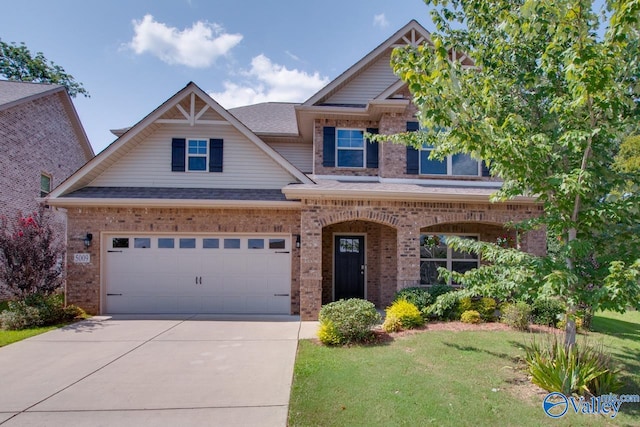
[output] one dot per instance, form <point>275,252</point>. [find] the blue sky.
<point>133,55</point>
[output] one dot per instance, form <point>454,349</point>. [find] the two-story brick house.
<point>275,207</point>
<point>42,142</point>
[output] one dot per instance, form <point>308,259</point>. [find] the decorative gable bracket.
<point>192,117</point>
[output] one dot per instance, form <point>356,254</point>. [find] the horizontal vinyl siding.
<point>298,154</point>
<point>149,163</point>
<point>366,86</point>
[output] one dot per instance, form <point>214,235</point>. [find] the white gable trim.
<point>91,170</point>
<point>419,33</point>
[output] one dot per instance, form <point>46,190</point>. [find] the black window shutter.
<point>486,170</point>
<point>372,150</point>
<point>413,155</point>
<point>178,154</point>
<point>215,155</point>
<point>329,146</point>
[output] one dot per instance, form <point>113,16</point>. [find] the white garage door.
<point>198,274</point>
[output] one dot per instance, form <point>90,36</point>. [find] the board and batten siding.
<point>148,164</point>
<point>367,85</point>
<point>298,154</point>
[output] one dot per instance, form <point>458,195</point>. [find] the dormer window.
<point>197,155</point>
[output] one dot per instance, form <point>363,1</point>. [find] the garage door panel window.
<point>210,243</point>
<point>256,243</point>
<point>187,243</point>
<point>142,242</point>
<point>166,243</point>
<point>232,243</point>
<point>277,244</point>
<point>120,242</point>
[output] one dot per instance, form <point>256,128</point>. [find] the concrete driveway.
<point>189,371</point>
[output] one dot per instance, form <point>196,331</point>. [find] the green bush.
<point>484,305</point>
<point>517,315</point>
<point>437,290</point>
<point>38,310</point>
<point>546,311</point>
<point>19,315</point>
<point>407,314</point>
<point>351,318</point>
<point>418,296</point>
<point>391,323</point>
<point>444,307</point>
<point>562,323</point>
<point>581,369</point>
<point>470,316</point>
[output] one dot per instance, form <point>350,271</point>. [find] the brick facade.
<point>389,227</point>
<point>84,280</point>
<point>36,137</point>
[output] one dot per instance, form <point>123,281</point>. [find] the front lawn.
<point>445,378</point>
<point>8,337</point>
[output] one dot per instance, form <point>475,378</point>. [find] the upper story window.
<point>45,185</point>
<point>350,148</point>
<point>456,164</point>
<point>197,154</point>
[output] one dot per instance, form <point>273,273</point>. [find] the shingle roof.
<point>11,91</point>
<point>177,193</point>
<point>268,117</point>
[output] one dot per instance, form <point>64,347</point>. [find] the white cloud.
<point>380,20</point>
<point>197,47</point>
<point>267,81</point>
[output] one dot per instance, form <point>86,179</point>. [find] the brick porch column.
<point>408,256</point>
<point>310,266</point>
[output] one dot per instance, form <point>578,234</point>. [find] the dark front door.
<point>349,267</point>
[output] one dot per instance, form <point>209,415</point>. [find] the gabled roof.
<point>412,33</point>
<point>14,93</point>
<point>129,139</point>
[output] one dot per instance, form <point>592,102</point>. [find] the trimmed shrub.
<point>352,319</point>
<point>581,369</point>
<point>407,314</point>
<point>444,307</point>
<point>328,334</point>
<point>418,296</point>
<point>562,323</point>
<point>485,306</point>
<point>517,315</point>
<point>470,316</point>
<point>547,312</point>
<point>391,323</point>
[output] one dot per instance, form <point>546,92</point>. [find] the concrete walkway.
<point>135,371</point>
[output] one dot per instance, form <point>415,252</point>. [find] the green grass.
<point>445,378</point>
<point>9,337</point>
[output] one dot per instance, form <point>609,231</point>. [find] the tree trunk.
<point>570,327</point>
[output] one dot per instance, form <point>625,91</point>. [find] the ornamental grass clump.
<point>580,369</point>
<point>347,321</point>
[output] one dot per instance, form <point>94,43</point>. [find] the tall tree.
<point>554,90</point>
<point>17,63</point>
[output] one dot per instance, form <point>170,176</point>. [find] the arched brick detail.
<point>379,217</point>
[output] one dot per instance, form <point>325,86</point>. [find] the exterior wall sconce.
<point>87,240</point>
<point>297,241</point>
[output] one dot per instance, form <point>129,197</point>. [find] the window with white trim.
<point>45,184</point>
<point>435,253</point>
<point>197,154</point>
<point>350,148</point>
<point>454,165</point>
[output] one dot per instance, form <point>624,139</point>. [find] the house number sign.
<point>81,258</point>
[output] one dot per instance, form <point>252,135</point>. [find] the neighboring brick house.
<point>275,207</point>
<point>42,142</point>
